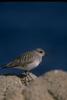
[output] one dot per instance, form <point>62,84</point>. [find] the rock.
<point>57,84</point>
<point>37,90</point>
<point>27,80</point>
<point>50,86</point>
<point>11,88</point>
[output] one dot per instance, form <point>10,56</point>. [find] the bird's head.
<point>41,52</point>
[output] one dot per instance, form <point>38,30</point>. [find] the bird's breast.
<point>32,65</point>
<point>36,62</point>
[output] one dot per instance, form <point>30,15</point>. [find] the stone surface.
<point>50,86</point>
<point>10,88</point>
<point>57,84</point>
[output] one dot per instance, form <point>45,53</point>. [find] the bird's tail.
<point>3,66</point>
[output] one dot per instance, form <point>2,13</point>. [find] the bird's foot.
<point>28,78</point>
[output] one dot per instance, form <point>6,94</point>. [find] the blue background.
<point>27,26</point>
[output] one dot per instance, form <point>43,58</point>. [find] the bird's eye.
<point>40,51</point>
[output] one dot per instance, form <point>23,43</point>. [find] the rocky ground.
<point>50,86</point>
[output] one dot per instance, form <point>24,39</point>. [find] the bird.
<point>28,60</point>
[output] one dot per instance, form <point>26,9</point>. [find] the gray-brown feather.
<point>22,60</point>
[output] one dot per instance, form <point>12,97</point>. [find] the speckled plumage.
<point>28,60</point>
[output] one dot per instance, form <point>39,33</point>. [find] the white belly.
<point>32,65</point>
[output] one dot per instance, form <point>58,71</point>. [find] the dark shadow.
<point>12,72</point>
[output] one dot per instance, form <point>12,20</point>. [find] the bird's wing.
<point>22,60</point>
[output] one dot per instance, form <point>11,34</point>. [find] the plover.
<point>28,60</point>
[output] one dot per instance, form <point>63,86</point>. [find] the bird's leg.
<point>28,76</point>
<point>25,72</point>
